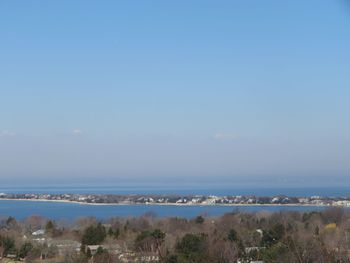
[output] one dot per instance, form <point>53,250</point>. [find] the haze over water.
<point>219,189</point>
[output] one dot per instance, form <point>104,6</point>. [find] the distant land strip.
<point>238,200</point>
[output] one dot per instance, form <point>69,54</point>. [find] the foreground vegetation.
<point>234,237</point>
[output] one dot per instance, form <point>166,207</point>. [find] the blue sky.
<point>175,88</point>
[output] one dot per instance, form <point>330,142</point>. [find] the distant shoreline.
<point>181,200</point>
<point>167,204</point>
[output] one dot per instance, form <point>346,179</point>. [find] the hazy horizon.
<point>232,91</point>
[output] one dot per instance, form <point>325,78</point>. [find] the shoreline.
<point>168,204</point>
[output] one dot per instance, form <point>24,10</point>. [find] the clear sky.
<point>175,88</point>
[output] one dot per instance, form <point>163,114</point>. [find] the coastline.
<point>170,204</point>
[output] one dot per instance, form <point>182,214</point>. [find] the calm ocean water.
<point>205,189</point>
<point>58,211</point>
<point>23,209</point>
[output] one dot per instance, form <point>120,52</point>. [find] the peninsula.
<point>150,199</point>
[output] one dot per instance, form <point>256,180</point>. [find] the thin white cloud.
<point>77,132</point>
<point>6,133</point>
<point>225,136</point>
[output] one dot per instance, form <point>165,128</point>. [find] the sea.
<point>72,211</point>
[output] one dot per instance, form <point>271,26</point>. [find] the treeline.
<point>286,237</point>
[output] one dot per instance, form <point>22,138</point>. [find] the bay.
<point>72,211</point>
